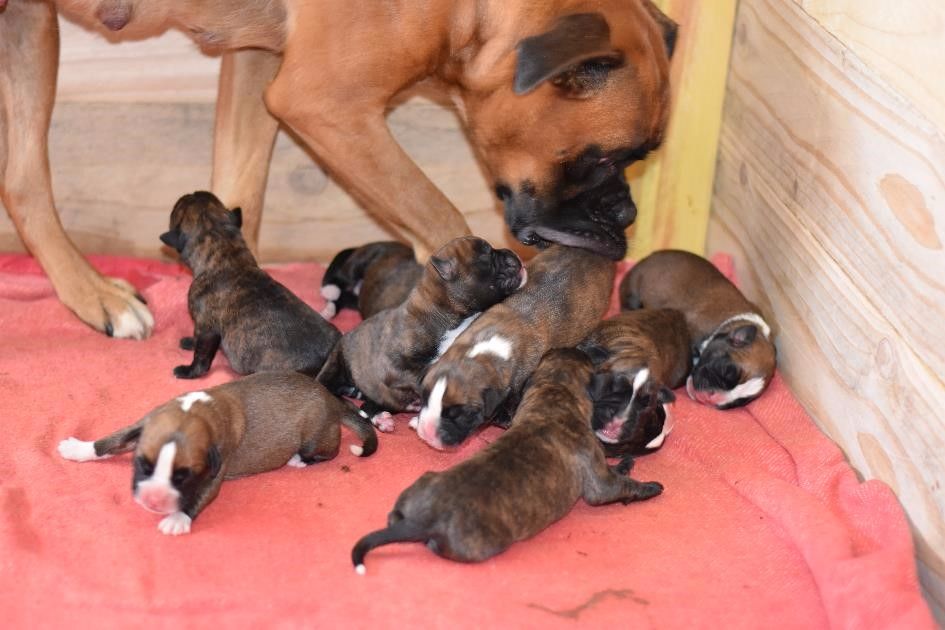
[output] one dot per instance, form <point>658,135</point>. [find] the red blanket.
<point>762,524</point>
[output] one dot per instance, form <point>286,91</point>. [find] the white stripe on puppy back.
<point>748,389</point>
<point>187,400</point>
<point>496,344</point>
<point>751,318</point>
<point>450,335</point>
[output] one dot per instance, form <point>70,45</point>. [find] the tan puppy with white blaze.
<point>187,447</point>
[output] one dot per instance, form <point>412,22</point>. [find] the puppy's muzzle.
<point>510,271</point>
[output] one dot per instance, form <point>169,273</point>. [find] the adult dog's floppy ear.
<point>174,238</point>
<point>574,39</point>
<point>669,27</point>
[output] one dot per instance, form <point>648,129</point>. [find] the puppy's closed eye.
<point>143,466</point>
<point>181,475</point>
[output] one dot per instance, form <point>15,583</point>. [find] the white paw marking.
<point>357,288</point>
<point>331,292</point>
<point>497,345</point>
<point>357,450</point>
<point>414,422</point>
<point>187,400</point>
<point>384,422</point>
<point>130,324</point>
<point>329,311</point>
<point>360,570</point>
<point>79,450</point>
<point>450,335</point>
<point>296,462</point>
<point>175,524</point>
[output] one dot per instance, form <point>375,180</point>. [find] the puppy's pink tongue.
<point>611,431</point>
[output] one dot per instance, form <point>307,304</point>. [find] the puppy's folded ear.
<point>236,217</point>
<point>562,52</point>
<point>597,353</point>
<point>214,460</point>
<point>742,336</point>
<point>491,399</point>
<point>666,395</point>
<point>175,239</point>
<point>445,267</point>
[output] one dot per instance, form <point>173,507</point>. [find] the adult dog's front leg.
<point>353,141</point>
<point>29,55</point>
<point>244,135</point>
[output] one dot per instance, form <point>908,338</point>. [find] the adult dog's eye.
<point>180,476</point>
<point>143,466</point>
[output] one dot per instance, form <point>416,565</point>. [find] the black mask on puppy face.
<point>629,415</point>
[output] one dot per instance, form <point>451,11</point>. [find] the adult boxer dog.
<point>558,98</point>
<point>384,358</point>
<point>639,357</point>
<point>370,278</point>
<point>481,376</point>
<point>734,356</point>
<point>186,448</point>
<point>520,484</point>
<point>259,323</point>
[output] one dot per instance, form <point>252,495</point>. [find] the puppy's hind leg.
<point>29,57</point>
<point>205,348</point>
<point>320,443</point>
<point>120,441</point>
<point>603,484</point>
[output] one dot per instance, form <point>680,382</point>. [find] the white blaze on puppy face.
<point>156,492</point>
<point>79,451</point>
<point>187,400</point>
<point>748,389</point>
<point>429,418</point>
<point>667,429</point>
<point>497,345</point>
<point>451,335</point>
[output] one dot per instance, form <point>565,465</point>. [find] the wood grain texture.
<point>674,187</point>
<point>830,190</point>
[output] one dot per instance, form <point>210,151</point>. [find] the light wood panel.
<point>829,190</point>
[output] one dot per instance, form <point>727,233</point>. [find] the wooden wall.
<point>831,190</point>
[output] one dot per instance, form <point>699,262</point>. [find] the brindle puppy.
<point>384,358</point>
<point>638,356</point>
<point>734,357</point>
<point>520,484</point>
<point>370,278</point>
<point>480,377</point>
<point>260,324</point>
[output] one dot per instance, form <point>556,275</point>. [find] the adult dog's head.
<point>557,120</point>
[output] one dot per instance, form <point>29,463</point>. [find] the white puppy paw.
<point>384,422</point>
<point>414,422</point>
<point>79,450</point>
<point>175,524</point>
<point>296,462</point>
<point>331,292</point>
<point>329,311</point>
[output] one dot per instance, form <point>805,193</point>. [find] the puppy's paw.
<point>414,422</point>
<point>625,465</point>
<point>187,343</point>
<point>296,462</point>
<point>329,310</point>
<point>188,371</point>
<point>175,524</point>
<point>384,422</point>
<point>647,490</point>
<point>78,450</point>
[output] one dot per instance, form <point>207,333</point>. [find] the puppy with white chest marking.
<point>186,448</point>
<point>734,356</point>
<point>520,484</point>
<point>480,377</point>
<point>370,278</point>
<point>639,357</point>
<point>259,323</point>
<point>384,358</point>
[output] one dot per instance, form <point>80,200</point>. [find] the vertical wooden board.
<point>673,189</point>
<point>829,189</point>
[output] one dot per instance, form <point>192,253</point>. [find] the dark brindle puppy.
<point>385,357</point>
<point>185,448</point>
<point>479,378</point>
<point>734,357</point>
<point>520,484</point>
<point>260,324</point>
<point>639,357</point>
<point>370,278</point>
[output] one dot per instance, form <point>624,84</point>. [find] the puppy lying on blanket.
<point>520,484</point>
<point>185,448</point>
<point>260,324</point>
<point>384,358</point>
<point>370,278</point>
<point>479,378</point>
<point>638,357</point>
<point>734,357</point>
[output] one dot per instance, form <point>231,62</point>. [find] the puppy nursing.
<point>185,448</point>
<point>482,373</point>
<point>520,484</point>
<point>259,323</point>
<point>734,355</point>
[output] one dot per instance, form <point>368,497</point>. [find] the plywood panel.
<point>830,188</point>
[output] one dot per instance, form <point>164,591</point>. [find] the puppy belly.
<point>249,460</point>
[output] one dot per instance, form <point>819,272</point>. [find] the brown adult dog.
<point>520,484</point>
<point>734,356</point>
<point>185,448</point>
<point>559,97</point>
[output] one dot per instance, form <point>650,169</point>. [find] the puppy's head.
<point>174,457</point>
<point>198,216</point>
<point>470,275</point>
<point>631,412</point>
<point>559,118</point>
<point>733,366</point>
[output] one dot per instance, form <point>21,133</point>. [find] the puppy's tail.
<point>401,531</point>
<point>338,285</point>
<point>363,428</point>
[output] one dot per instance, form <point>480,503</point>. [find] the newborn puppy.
<point>520,484</point>
<point>370,278</point>
<point>638,356</point>
<point>384,358</point>
<point>479,378</point>
<point>185,448</point>
<point>260,324</point>
<point>733,355</point>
